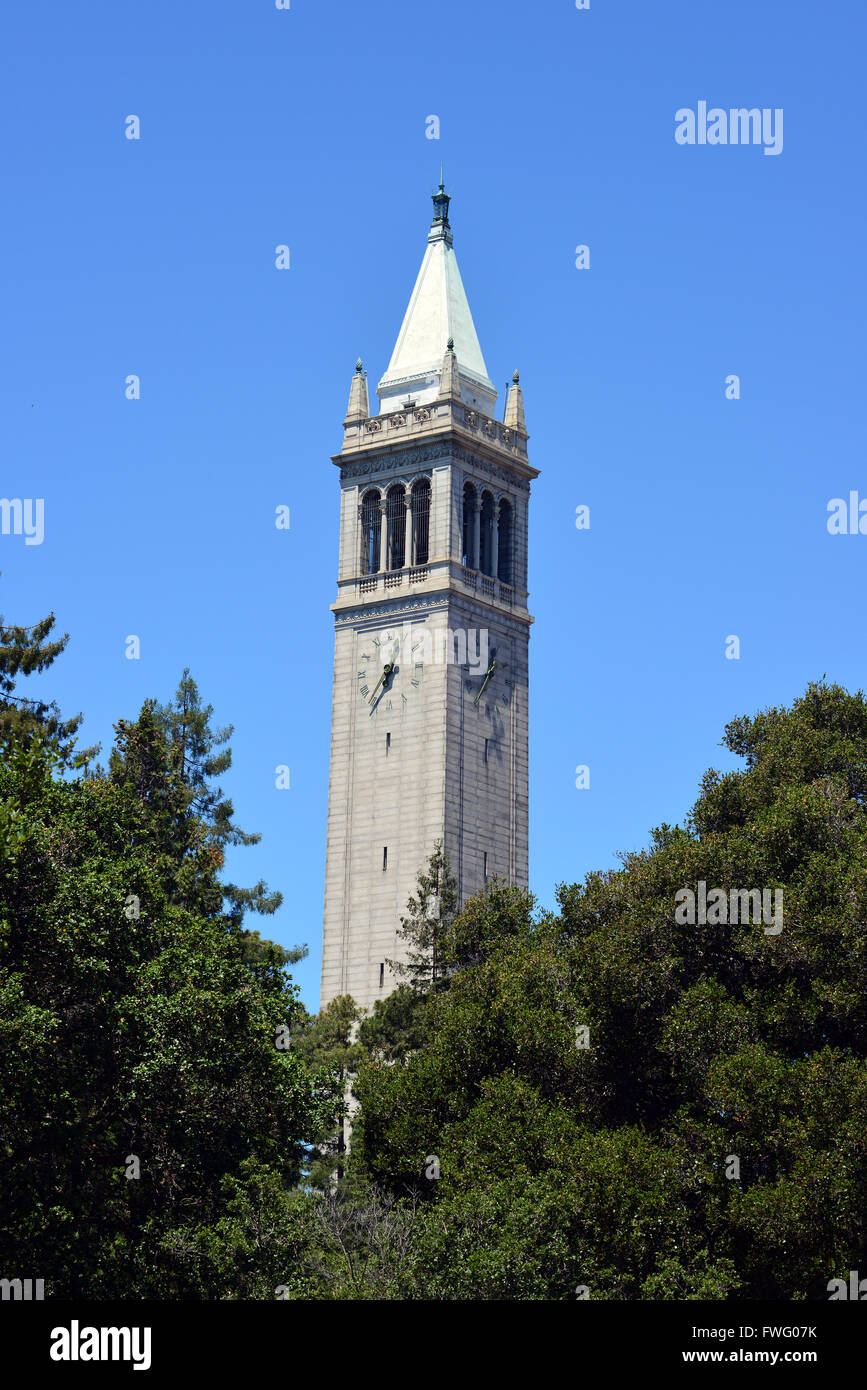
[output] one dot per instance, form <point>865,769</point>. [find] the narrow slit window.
<point>485,867</point>
<point>381,973</point>
<point>384,858</point>
<point>486,750</point>
<point>387,743</point>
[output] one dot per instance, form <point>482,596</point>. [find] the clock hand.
<point>486,682</point>
<point>387,670</point>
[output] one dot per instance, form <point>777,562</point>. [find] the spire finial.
<point>514,413</point>
<point>440,225</point>
<point>450,387</point>
<point>359,407</point>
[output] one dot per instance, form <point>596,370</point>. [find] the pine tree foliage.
<point>25,651</point>
<point>431,911</point>
<point>172,757</point>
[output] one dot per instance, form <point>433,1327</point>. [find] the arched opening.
<point>504,538</point>
<point>468,527</point>
<point>421,521</point>
<point>395,513</point>
<point>370,526</point>
<point>486,535</point>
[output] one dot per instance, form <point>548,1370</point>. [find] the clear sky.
<point>307,127</point>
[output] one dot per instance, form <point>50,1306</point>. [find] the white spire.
<point>438,311</point>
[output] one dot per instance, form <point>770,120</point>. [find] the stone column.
<point>495,542</point>
<point>407,543</point>
<point>477,518</point>
<point>383,536</point>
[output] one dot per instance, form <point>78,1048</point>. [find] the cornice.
<point>447,452</point>
<point>388,606</point>
<point>377,612</point>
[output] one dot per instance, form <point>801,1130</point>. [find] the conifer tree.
<point>25,650</point>
<point>202,754</point>
<point>171,756</point>
<point>431,913</point>
<point>326,1042</point>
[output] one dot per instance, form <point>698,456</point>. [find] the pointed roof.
<point>438,311</point>
<point>450,386</point>
<point>358,408</point>
<point>514,415</point>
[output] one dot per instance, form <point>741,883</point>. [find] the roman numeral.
<point>364,690</point>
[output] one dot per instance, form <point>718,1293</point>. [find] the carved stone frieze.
<point>367,610</point>
<point>444,454</point>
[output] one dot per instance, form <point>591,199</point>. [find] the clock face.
<point>390,671</point>
<point>490,690</point>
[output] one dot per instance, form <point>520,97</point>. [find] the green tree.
<point>430,914</point>
<point>327,1042</point>
<point>171,757</point>
<point>396,1025</point>
<point>24,651</point>
<point>146,1098</point>
<point>259,951</point>
<point>202,754</point>
<point>624,1101</point>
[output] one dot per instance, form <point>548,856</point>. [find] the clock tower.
<point>429,718</point>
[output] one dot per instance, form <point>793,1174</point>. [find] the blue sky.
<point>307,127</point>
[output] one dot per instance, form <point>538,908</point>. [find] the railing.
<point>490,588</point>
<point>391,579</point>
<point>493,429</point>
